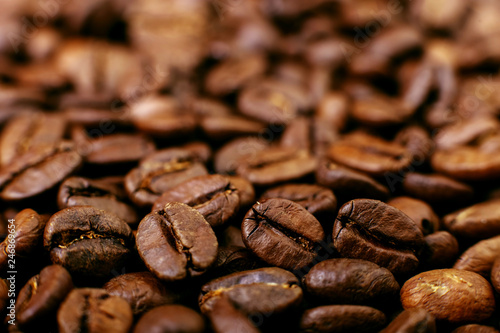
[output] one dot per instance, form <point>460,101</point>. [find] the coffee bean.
<point>374,231</point>
<point>282,233</point>
<point>176,242</point>
<point>4,294</point>
<point>79,191</point>
<point>231,236</point>
<point>72,233</point>
<point>435,188</point>
<point>245,190</point>
<point>94,310</point>
<point>224,127</point>
<point>480,257</point>
<point>159,172</point>
<point>495,275</point>
<point>348,183</point>
<point>224,317</point>
<point>475,328</point>
<point>453,295</point>
<point>297,134</point>
<point>419,211</point>
<point>212,195</point>
<point>232,259</point>
<point>412,320</point>
<point>440,251</point>
<point>228,157</point>
<point>171,318</point>
<point>463,133</point>
<point>37,171</point>
<point>276,165</point>
<point>264,291</point>
<point>351,281</point>
<point>342,318</point>
<point>479,221</point>
<point>39,299</point>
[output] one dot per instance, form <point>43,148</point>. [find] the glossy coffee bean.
<point>282,233</point>
<point>374,231</point>
<point>266,291</point>
<point>118,148</point>
<point>479,221</point>
<point>419,211</point>
<point>453,295</point>
<point>440,250</point>
<point>94,310</point>
<point>79,191</point>
<point>230,126</point>
<point>176,242</point>
<point>411,321</point>
<point>40,298</point>
<point>351,281</point>
<point>142,290</point>
<point>212,195</point>
<point>342,318</point>
<point>72,233</point>
<point>170,318</point>
<point>315,199</point>
<point>480,257</point>
<point>227,158</point>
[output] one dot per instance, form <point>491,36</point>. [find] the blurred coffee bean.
<point>495,275</point>
<point>479,221</point>
<point>475,328</point>
<point>412,320</point>
<point>224,317</point>
<point>419,211</point>
<point>440,251</point>
<point>480,257</point>
<point>171,318</point>
<point>228,157</point>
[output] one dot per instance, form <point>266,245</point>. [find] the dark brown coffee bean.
<point>227,159</point>
<point>37,171</point>
<point>232,259</point>
<point>463,133</point>
<point>334,108</point>
<point>27,130</point>
<point>118,148</point>
<point>348,183</point>
<point>265,291</point>
<point>418,143</point>
<point>282,233</point>
<point>199,149</point>
<point>245,190</point>
<point>224,127</point>
<point>316,199</point>
<point>434,188</point>
<point>297,134</point>
<point>79,191</point>
<point>72,233</point>
<point>374,231</point>
<point>276,165</point>
<point>40,298</point>
<point>475,328</point>
<point>142,290</point>
<point>212,195</point>
<point>342,318</point>
<point>93,117</point>
<point>4,294</point>
<point>495,275</point>
<point>24,240</point>
<point>411,321</point>
<point>420,212</point>
<point>441,250</point>
<point>162,116</point>
<point>378,110</point>
<point>94,310</point>
<point>224,317</point>
<point>351,281</point>
<point>176,242</point>
<point>479,221</point>
<point>172,319</point>
<point>231,236</point>
<point>369,154</point>
<point>450,294</point>
<point>159,172</point>
<point>480,257</point>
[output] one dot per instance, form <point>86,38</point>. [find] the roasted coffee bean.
<point>227,159</point>
<point>463,133</point>
<point>374,231</point>
<point>475,328</point>
<point>142,290</point>
<point>176,242</point>
<point>4,294</point>
<point>94,310</point>
<point>24,240</point>
<point>37,171</point>
<point>480,257</point>
<point>245,190</point>
<point>265,291</point>
<point>479,221</point>
<point>231,236</point>
<point>317,200</point>
<point>351,281</point>
<point>453,295</point>
<point>39,299</point>
<point>419,211</point>
<point>411,321</point>
<point>435,188</point>
<point>342,318</point>
<point>159,172</point>
<point>101,194</point>
<point>232,259</point>
<point>212,195</point>
<point>282,233</point>
<point>224,317</point>
<point>170,318</point>
<point>348,183</point>
<point>370,154</point>
<point>440,250</point>
<point>72,233</point>
<point>276,165</point>
<point>495,275</point>
<point>224,127</point>
<point>437,15</point>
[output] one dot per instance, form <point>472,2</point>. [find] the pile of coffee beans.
<point>244,166</point>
